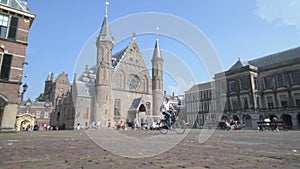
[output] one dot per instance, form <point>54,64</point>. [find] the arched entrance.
<point>138,111</point>
<point>287,119</point>
<point>24,121</point>
<point>25,125</point>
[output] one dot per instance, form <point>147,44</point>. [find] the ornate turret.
<point>103,90</point>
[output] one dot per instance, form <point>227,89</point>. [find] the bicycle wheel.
<point>179,126</point>
<point>163,128</point>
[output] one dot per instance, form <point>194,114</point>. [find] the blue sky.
<point>236,29</point>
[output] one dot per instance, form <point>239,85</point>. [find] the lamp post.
<point>25,87</point>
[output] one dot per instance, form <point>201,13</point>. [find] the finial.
<point>134,35</point>
<point>157,29</point>
<point>106,8</point>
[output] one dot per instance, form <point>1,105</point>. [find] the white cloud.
<point>282,12</point>
<point>181,87</point>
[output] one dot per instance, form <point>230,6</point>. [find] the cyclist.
<point>167,110</point>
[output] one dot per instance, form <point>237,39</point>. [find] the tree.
<point>41,98</point>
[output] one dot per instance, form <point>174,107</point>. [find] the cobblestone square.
<point>224,149</point>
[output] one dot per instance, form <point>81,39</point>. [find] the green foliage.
<point>41,98</point>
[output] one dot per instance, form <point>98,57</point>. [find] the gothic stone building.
<point>251,91</point>
<point>15,22</point>
<point>119,86</point>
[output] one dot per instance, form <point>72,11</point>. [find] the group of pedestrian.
<point>230,124</point>
<point>272,123</point>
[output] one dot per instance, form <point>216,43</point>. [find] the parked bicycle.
<point>177,124</point>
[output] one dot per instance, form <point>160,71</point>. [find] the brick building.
<point>15,22</point>
<point>31,113</point>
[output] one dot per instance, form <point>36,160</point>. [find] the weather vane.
<point>106,7</point>
<point>157,29</point>
<point>134,34</point>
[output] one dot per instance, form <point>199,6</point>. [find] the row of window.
<point>269,82</point>
<point>283,100</point>
<point>280,80</point>
<point>207,94</point>
<point>38,115</point>
<point>234,105</point>
<point>201,119</point>
<point>201,106</point>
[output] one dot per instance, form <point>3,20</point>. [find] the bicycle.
<point>177,124</point>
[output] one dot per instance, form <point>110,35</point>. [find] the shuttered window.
<point>5,62</point>
<point>13,27</point>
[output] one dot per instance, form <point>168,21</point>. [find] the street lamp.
<point>25,87</point>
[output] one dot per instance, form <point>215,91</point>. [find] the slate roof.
<point>118,56</point>
<point>105,31</point>
<point>157,53</point>
<point>277,58</point>
<point>19,5</point>
<point>239,64</point>
<point>201,86</point>
<point>85,89</point>
<point>273,60</point>
<point>89,75</point>
<point>36,104</point>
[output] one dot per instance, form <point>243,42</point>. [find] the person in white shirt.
<point>167,109</point>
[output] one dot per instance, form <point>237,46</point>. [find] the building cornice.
<point>23,13</point>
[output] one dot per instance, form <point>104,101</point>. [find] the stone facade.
<point>251,91</point>
<point>106,92</point>
<point>16,21</point>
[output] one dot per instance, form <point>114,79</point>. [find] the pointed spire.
<point>157,52</point>
<point>105,30</point>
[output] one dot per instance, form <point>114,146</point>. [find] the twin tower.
<point>119,81</point>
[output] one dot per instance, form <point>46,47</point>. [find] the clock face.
<point>134,82</point>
